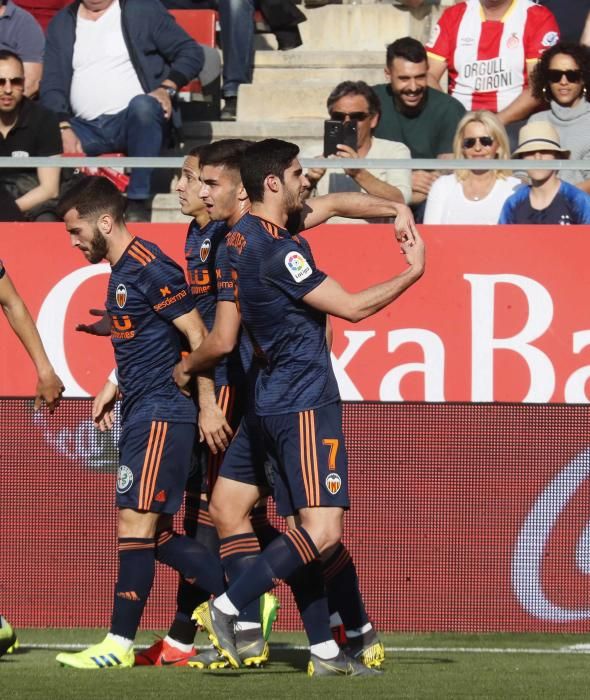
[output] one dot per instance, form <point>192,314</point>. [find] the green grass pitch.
<point>418,666</point>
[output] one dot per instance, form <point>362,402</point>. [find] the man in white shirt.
<point>357,101</point>
<point>112,71</point>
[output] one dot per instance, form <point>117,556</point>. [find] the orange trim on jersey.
<point>272,229</point>
<point>151,464</point>
<point>338,565</point>
<point>164,537</point>
<point>140,253</point>
<point>309,460</point>
<point>142,248</point>
<point>301,545</point>
<point>135,545</point>
<point>136,256</point>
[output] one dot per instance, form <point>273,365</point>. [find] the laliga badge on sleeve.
<point>297,265</point>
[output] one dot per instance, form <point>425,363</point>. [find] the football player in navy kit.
<point>232,500</point>
<point>151,308</point>
<point>283,300</point>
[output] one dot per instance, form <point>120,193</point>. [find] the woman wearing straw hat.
<point>547,200</point>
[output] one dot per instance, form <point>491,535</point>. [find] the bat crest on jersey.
<point>205,249</point>
<point>333,483</point>
<point>121,295</point>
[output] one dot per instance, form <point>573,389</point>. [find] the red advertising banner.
<point>501,313</point>
<point>464,517</point>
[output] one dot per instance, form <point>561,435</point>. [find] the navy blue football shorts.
<point>246,458</point>
<point>310,465</point>
<point>205,466</point>
<point>154,464</point>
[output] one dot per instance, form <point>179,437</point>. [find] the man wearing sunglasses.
<point>358,103</point>
<point>27,129</point>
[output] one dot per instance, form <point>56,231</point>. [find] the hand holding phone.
<point>336,132</point>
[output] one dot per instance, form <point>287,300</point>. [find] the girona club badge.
<point>121,295</point>
<point>333,483</point>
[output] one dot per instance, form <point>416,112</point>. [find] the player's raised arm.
<point>49,386</point>
<point>355,205</point>
<point>331,298</point>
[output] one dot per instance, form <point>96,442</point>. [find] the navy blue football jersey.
<point>273,271</point>
<point>201,251</point>
<point>147,290</point>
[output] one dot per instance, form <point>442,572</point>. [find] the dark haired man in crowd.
<point>112,72</point>
<point>422,118</point>
<point>27,129</point>
<point>357,101</point>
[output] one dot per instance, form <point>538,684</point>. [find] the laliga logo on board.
<point>121,295</point>
<point>533,539</point>
<point>205,249</point>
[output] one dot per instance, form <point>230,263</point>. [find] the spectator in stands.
<point>473,196</point>
<point>112,71</point>
<point>43,10</point>
<point>236,19</point>
<point>422,118</point>
<point>489,48</point>
<point>21,34</point>
<point>571,17</point>
<point>562,78</point>
<point>27,129</point>
<point>547,200</point>
<point>356,100</point>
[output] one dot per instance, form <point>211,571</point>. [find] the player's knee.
<point>226,518</point>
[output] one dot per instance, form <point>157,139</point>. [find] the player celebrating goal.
<point>284,299</point>
<point>150,307</point>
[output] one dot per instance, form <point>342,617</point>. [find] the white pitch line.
<point>574,649</point>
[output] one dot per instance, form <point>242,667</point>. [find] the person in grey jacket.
<point>562,78</point>
<point>112,71</point>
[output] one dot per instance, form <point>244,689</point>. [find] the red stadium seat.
<point>200,25</point>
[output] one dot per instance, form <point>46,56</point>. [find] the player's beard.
<point>97,250</point>
<point>293,201</point>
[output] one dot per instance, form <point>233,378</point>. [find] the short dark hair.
<point>355,87</point>
<point>227,152</point>
<point>540,76</point>
<point>196,151</point>
<point>6,55</point>
<point>268,157</point>
<point>92,196</point>
<point>407,48</point>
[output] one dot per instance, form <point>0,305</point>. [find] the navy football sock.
<point>238,553</point>
<point>343,589</point>
<point>307,585</point>
<point>137,565</point>
<point>265,532</point>
<point>189,596</point>
<point>278,561</point>
<point>192,560</point>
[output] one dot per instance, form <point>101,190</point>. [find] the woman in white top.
<point>473,196</point>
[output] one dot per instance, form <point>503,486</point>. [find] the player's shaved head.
<point>92,196</point>
<point>268,157</point>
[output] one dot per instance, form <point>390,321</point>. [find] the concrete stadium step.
<point>301,131</point>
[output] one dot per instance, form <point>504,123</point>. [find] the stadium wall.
<point>467,515</point>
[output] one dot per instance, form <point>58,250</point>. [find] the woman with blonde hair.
<point>473,196</point>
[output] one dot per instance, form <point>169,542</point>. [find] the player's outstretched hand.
<point>214,428</point>
<point>103,406</point>
<point>49,390</point>
<point>404,225</point>
<point>100,327</point>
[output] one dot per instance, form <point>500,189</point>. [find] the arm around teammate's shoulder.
<point>331,298</point>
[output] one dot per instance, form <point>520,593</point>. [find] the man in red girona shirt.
<point>489,48</point>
